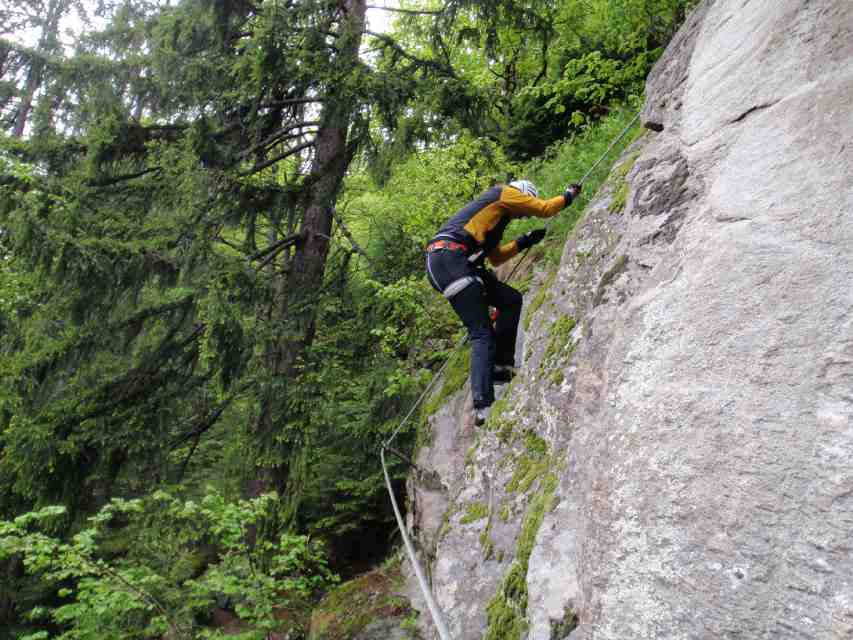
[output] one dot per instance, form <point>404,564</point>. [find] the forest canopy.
<point>212,300</point>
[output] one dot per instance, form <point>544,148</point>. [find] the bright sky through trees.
<point>74,24</point>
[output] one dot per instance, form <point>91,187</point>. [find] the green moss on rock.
<point>620,198</point>
<point>560,336</point>
<point>455,375</point>
<point>506,612</point>
<point>475,511</point>
<point>559,348</point>
<point>530,465</point>
<point>561,628</point>
<point>535,445</point>
<point>349,608</point>
<point>500,421</point>
<point>539,299</point>
<point>486,541</point>
<point>505,513</point>
<point>527,470</point>
<point>607,279</point>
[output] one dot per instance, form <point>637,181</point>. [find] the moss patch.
<point>560,336</point>
<point>486,540</point>
<point>506,612</point>
<point>505,513</point>
<point>539,299</point>
<point>607,279</point>
<point>523,286</point>
<point>535,445</point>
<point>451,511</point>
<point>530,465</point>
<point>349,608</point>
<point>500,421</point>
<point>475,511</point>
<point>455,376</point>
<point>620,198</point>
<point>561,628</point>
<point>624,169</point>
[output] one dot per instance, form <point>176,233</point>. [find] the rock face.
<point>674,459</point>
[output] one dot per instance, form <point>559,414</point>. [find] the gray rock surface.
<point>689,378</point>
<point>383,630</point>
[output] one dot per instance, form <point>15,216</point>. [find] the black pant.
<point>490,346</point>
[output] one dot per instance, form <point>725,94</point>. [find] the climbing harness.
<point>447,244</point>
<point>432,605</point>
<point>458,285</point>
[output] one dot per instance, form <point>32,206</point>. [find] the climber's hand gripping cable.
<point>572,192</point>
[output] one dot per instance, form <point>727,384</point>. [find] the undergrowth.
<point>567,162</point>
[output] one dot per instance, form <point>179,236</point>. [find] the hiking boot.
<point>503,373</point>
<point>481,415</point>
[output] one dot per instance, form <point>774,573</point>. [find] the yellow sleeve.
<point>521,205</point>
<point>501,254</point>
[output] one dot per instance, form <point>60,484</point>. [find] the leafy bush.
<point>160,565</point>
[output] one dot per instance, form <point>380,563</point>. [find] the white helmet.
<point>525,186</point>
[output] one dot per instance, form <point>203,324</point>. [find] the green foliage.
<point>536,72</point>
<point>410,317</point>
<point>569,160</point>
<point>424,189</point>
<point>176,560</point>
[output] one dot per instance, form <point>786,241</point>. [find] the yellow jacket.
<point>480,224</point>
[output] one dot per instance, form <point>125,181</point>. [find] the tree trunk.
<point>34,76</point>
<point>332,157</point>
<point>48,44</point>
<point>297,297</point>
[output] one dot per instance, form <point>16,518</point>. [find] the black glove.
<point>572,192</point>
<point>529,239</point>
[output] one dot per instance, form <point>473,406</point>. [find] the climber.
<point>455,268</point>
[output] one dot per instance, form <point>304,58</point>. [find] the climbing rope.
<point>432,605</point>
<point>582,180</point>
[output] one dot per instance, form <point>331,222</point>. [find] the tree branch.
<point>438,66</point>
<point>272,161</point>
<point>289,101</point>
<point>108,182</point>
<point>416,12</point>
<point>275,246</point>
<point>281,246</point>
<point>278,136</point>
<point>198,431</point>
<point>350,237</point>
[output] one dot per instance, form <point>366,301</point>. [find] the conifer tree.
<point>180,220</point>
